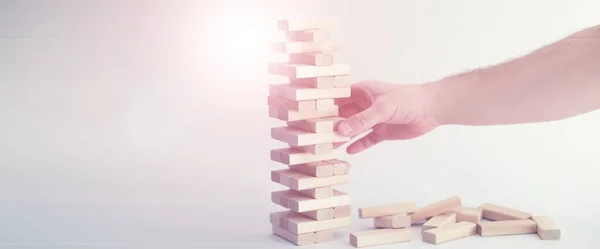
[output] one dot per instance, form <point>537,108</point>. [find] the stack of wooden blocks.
<point>306,101</point>
<point>447,220</point>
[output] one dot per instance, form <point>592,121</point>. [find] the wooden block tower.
<point>306,102</point>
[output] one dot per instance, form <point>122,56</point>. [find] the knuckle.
<point>361,120</point>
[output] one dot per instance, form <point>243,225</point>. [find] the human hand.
<point>393,112</point>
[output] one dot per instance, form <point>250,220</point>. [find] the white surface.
<point>123,125</point>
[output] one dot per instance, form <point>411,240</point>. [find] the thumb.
<point>362,121</point>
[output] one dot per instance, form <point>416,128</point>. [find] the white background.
<point>143,124</point>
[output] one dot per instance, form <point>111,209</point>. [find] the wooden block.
<point>439,221</point>
<point>324,236</point>
<point>315,35</point>
<point>298,137</point>
<point>339,167</point>
<point>318,193</point>
<point>316,125</point>
<point>497,213</point>
<point>291,115</point>
<point>313,59</point>
<point>325,104</point>
<point>450,232</point>
<point>392,221</point>
<point>472,215</point>
<point>300,203</point>
<point>299,106</point>
<point>290,156</point>
<point>386,210</point>
<point>316,82</point>
<point>298,93</point>
<point>342,211</point>
<point>287,47</point>
<point>380,237</point>
<point>297,239</point>
<point>546,229</point>
<point>298,71</point>
<point>342,81</point>
<point>321,214</point>
<point>316,169</point>
<point>305,24</point>
<point>299,181</point>
<point>317,149</point>
<point>506,227</point>
<point>435,208</point>
<point>299,224</point>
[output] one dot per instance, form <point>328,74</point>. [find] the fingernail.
<point>344,128</point>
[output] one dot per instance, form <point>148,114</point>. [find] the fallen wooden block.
<point>439,221</point>
<point>436,208</point>
<point>318,193</point>
<point>298,224</point>
<point>306,24</point>
<point>498,213</point>
<point>472,215</point>
<point>322,82</point>
<point>315,35</point>
<point>339,167</point>
<point>298,137</point>
<point>392,221</point>
<point>299,106</point>
<point>291,156</point>
<point>299,181</point>
<point>546,229</point>
<point>317,149</point>
<point>380,237</point>
<point>386,210</point>
<point>291,115</point>
<point>288,47</point>
<point>449,232</point>
<point>506,227</point>
<point>313,59</point>
<point>298,71</point>
<point>316,125</point>
<point>298,93</point>
<point>300,203</point>
<point>316,169</point>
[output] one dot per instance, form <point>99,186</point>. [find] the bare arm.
<point>558,81</point>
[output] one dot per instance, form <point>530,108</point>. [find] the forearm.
<point>556,82</point>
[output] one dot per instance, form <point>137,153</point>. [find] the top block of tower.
<point>309,24</point>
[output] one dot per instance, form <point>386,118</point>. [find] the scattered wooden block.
<point>339,167</point>
<point>313,59</point>
<point>287,47</point>
<point>386,210</point>
<point>318,193</point>
<point>316,169</point>
<point>300,203</point>
<point>439,221</point>
<point>316,125</point>
<point>449,232</point>
<point>298,71</point>
<point>297,239</point>
<point>320,214</point>
<point>380,237</point>
<point>436,208</point>
<point>299,181</point>
<point>297,93</point>
<point>315,35</point>
<point>392,221</point>
<point>317,149</point>
<point>291,156</point>
<point>342,211</point>
<point>291,115</point>
<point>506,227</point>
<point>546,229</point>
<point>299,224</point>
<point>298,137</point>
<point>498,213</point>
<point>472,215</point>
<point>299,106</point>
<point>307,24</point>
